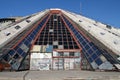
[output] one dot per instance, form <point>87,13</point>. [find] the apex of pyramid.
<point>55,9</point>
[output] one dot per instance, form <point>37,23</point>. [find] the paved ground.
<point>59,75</point>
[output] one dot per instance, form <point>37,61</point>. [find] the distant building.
<point>56,39</point>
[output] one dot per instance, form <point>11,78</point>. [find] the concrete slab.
<point>59,75</point>
<point>72,75</point>
<point>13,75</point>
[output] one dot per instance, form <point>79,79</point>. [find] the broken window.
<point>17,27</point>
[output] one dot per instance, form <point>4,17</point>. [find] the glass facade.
<point>17,55</point>
<point>90,50</point>
<point>56,35</point>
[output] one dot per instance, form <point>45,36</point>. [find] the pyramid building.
<point>56,39</point>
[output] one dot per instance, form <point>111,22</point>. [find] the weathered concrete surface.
<point>59,75</point>
<point>72,75</point>
<point>13,75</point>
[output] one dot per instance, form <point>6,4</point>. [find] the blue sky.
<point>106,11</point>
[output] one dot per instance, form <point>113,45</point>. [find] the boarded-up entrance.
<point>40,61</point>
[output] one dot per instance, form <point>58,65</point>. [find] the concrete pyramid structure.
<point>56,39</point>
